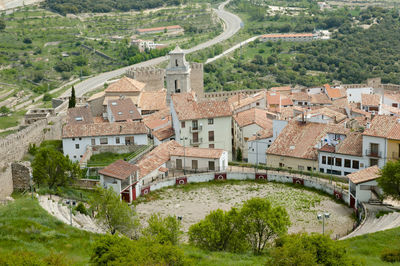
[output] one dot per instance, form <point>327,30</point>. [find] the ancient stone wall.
<point>223,95</point>
<point>151,76</point>
<point>21,175</point>
<point>197,79</point>
<point>13,147</point>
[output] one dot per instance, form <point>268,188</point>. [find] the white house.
<point>363,186</point>
<point>392,99</point>
<point>354,94</point>
<point>203,124</point>
<point>245,125</point>
<point>342,154</point>
<point>122,177</point>
<point>76,137</point>
<point>199,159</point>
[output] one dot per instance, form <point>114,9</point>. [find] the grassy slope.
<point>25,226</point>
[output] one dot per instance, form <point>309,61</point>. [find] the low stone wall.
<point>281,177</point>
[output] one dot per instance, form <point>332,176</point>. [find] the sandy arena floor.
<point>196,201</point>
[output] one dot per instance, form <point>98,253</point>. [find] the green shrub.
<point>81,208</point>
<point>391,255</point>
<point>163,230</point>
<point>47,97</point>
<point>32,148</point>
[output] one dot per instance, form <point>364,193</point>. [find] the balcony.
<point>196,141</point>
<point>196,129</point>
<point>373,153</point>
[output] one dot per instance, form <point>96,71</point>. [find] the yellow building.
<point>393,149</point>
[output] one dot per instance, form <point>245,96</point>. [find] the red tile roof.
<point>365,175</point>
<point>253,116</point>
<point>384,126</point>
<point>125,85</point>
<point>351,145</point>
<point>320,98</point>
<point>333,93</point>
<point>197,152</point>
<point>262,134</point>
<point>164,133</point>
<point>124,110</point>
<point>300,139</point>
<point>80,115</point>
<point>370,99</point>
<point>119,170</point>
<point>103,129</point>
<point>152,100</point>
<point>187,108</point>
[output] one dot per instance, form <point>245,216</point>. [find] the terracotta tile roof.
<point>248,100</point>
<point>333,93</point>
<point>197,152</point>
<point>287,35</point>
<point>279,89</point>
<point>124,110</point>
<point>351,145</point>
<point>359,111</point>
<point>262,134</point>
<point>394,96</point>
<point>96,96</point>
<point>370,99</point>
<point>320,98</point>
<point>300,96</point>
<point>103,129</point>
<point>237,97</point>
<point>385,127</point>
<point>187,108</point>
<point>289,112</point>
<point>119,170</point>
<point>80,115</point>
<point>325,111</point>
<point>253,116</point>
<point>125,85</point>
<point>161,114</point>
<point>275,98</point>
<point>365,175</point>
<point>341,103</point>
<point>164,133</point>
<point>99,119</point>
<point>300,139</point>
<point>152,100</point>
<point>156,158</point>
<point>160,28</point>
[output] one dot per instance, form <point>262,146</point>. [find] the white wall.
<point>354,94</point>
<point>69,144</point>
<point>382,149</point>
<point>202,163</point>
<point>314,90</point>
<point>363,163</point>
<point>257,150</point>
<point>107,182</point>
<point>278,126</point>
<point>176,124</point>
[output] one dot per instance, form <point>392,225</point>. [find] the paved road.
<point>233,48</point>
<point>232,25</point>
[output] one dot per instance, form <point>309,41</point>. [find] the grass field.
<point>25,226</point>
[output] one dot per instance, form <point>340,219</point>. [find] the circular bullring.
<point>194,201</point>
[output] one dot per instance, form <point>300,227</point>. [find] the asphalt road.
<point>232,25</point>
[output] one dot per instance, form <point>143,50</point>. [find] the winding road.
<point>232,25</point>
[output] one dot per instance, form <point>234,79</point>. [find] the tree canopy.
<point>389,179</point>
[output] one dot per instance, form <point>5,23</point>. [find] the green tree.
<point>4,110</point>
<point>2,24</point>
<point>315,249</point>
<point>46,97</point>
<point>72,99</point>
<point>389,179</point>
<point>115,250</point>
<point>239,154</point>
<point>115,214</point>
<point>219,231</point>
<point>262,222</point>
<point>52,168</point>
<point>163,230</point>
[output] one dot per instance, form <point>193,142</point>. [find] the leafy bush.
<point>81,208</point>
<point>163,230</point>
<point>47,97</point>
<point>32,149</point>
<point>391,255</point>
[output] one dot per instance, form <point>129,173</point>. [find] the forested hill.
<point>99,6</point>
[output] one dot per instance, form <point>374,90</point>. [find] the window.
<point>211,121</point>
<point>195,124</point>
<point>117,140</point>
<point>257,104</point>
<point>194,164</point>
<point>93,141</point>
<point>365,187</point>
<point>177,90</point>
<point>330,161</point>
<point>322,170</point>
<point>176,62</point>
<point>210,135</point>
<point>281,165</point>
<point>183,124</point>
<point>356,164</point>
<point>103,141</point>
<point>178,163</point>
<point>211,146</point>
<point>347,163</point>
<point>347,173</point>
<point>395,105</point>
<point>300,167</point>
<point>80,156</point>
<point>338,162</point>
<point>76,146</point>
<point>78,118</point>
<point>335,172</point>
<point>73,139</point>
<point>373,162</point>
<point>323,159</point>
<point>309,168</point>
<point>74,156</point>
<point>80,138</point>
<point>211,165</point>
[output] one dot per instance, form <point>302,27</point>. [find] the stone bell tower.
<point>177,73</point>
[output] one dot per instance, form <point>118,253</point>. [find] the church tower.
<point>177,73</point>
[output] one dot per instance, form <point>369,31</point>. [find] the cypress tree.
<point>72,99</point>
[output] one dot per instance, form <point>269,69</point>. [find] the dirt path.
<point>301,205</point>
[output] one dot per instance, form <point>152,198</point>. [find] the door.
<point>129,140</point>
<point>211,165</point>
<point>178,163</point>
<point>194,164</point>
<point>195,137</point>
<point>352,202</point>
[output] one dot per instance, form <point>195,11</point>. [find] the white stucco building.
<point>199,159</point>
<point>363,186</point>
<point>204,124</point>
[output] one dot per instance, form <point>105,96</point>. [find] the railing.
<point>196,129</point>
<point>196,141</point>
<point>373,153</point>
